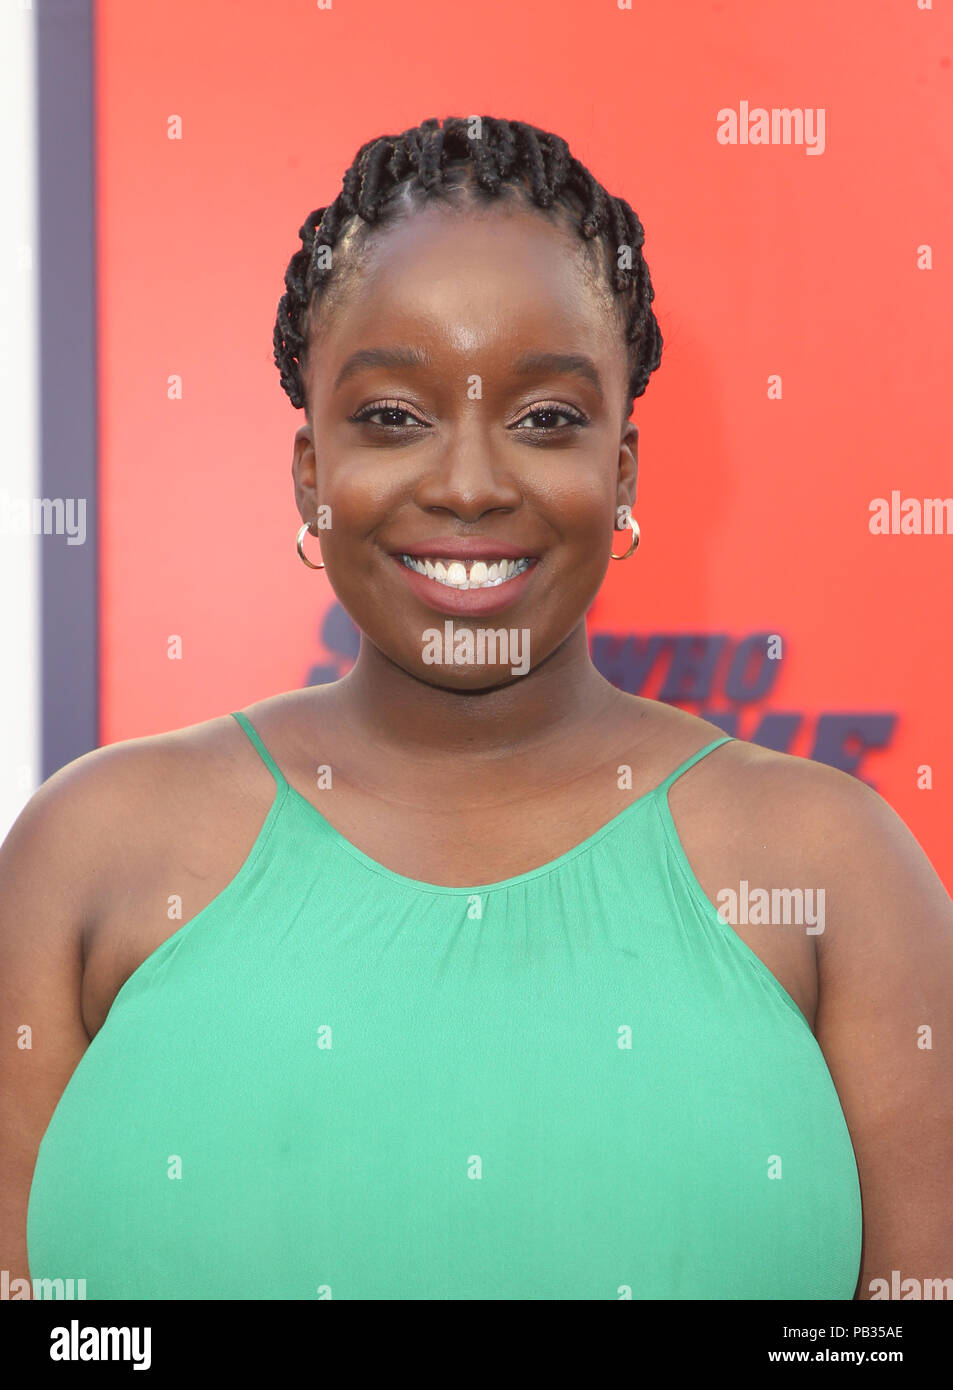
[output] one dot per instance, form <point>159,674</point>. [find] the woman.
<point>420,984</point>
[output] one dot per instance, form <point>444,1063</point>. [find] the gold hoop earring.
<point>301,535</point>
<point>634,527</point>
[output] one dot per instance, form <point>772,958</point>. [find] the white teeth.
<point>453,573</point>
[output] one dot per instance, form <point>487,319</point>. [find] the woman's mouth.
<point>473,574</point>
<point>470,587</point>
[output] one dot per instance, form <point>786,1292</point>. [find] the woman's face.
<point>490,418</point>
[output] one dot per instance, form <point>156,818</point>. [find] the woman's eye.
<point>393,416</point>
<point>549,414</point>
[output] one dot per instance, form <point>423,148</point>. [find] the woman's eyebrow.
<point>566,363</point>
<point>572,364</point>
<point>380,357</point>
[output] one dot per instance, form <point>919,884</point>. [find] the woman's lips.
<point>442,598</point>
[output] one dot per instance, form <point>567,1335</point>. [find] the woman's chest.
<point>454,846</point>
<point>390,1104</point>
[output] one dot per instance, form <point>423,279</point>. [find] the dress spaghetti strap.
<point>690,762</point>
<point>266,757</point>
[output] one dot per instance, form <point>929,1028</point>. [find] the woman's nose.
<point>467,475</point>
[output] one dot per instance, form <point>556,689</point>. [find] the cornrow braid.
<point>500,152</point>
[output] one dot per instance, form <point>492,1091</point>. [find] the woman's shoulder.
<point>83,841</point>
<point>135,797</point>
<point>148,769</point>
<point>138,773</point>
<point>753,785</point>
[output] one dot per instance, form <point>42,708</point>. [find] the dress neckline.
<point>468,890</point>
<point>285,790</point>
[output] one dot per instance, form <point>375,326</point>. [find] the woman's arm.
<point>885,1025</point>
<point>48,866</point>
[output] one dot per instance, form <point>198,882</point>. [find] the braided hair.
<point>499,153</point>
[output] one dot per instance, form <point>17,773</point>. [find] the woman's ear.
<point>304,472</point>
<point>628,465</point>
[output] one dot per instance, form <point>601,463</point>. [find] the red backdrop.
<point>767,260</point>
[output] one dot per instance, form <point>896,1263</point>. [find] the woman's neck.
<point>527,714</point>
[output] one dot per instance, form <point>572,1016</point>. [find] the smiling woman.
<point>452,1012</point>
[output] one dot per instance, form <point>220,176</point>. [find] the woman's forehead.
<point>442,265</point>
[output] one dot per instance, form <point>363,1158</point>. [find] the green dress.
<point>339,1082</point>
